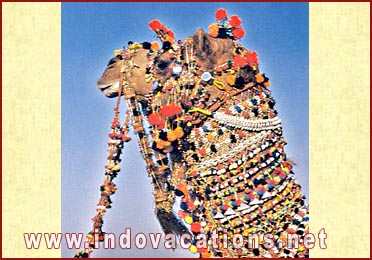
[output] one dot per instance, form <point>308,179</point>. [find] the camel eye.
<point>114,60</point>
<point>163,65</point>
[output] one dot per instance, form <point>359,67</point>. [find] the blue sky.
<point>90,34</point>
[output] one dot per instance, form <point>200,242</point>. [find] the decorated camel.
<point>209,133</point>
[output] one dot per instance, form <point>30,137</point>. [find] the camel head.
<point>209,52</point>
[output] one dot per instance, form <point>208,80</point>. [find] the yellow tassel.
<point>116,168</point>
<point>219,84</point>
<point>203,111</point>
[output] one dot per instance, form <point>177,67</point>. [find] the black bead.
<point>167,45</point>
<point>146,45</point>
<point>233,138</point>
<point>239,82</point>
<point>178,193</point>
<point>195,157</point>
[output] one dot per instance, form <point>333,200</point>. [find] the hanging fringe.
<point>118,136</point>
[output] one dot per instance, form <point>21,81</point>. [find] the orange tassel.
<point>161,144</point>
<point>267,83</point>
<point>169,39</point>
<point>213,30</point>
<point>259,78</point>
<point>155,46</point>
<point>230,80</point>
<point>171,136</point>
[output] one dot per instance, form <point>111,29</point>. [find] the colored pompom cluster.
<point>250,58</point>
<point>170,110</point>
<point>164,34</point>
<point>226,27</point>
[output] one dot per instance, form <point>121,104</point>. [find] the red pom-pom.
<point>170,110</point>
<point>221,14</point>
<point>252,58</point>
<point>238,33</point>
<point>155,25</point>
<point>239,61</point>
<point>235,21</point>
<point>195,227</point>
<point>155,119</point>
<point>202,151</point>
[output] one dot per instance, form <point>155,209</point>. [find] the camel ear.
<point>202,44</point>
